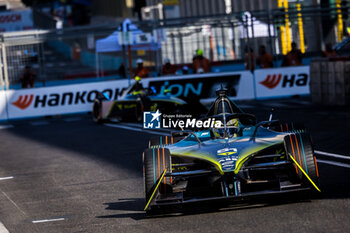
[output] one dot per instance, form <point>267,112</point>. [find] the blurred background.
<point>70,41</point>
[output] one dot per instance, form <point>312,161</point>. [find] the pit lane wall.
<point>79,98</point>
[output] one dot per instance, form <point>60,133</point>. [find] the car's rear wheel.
<point>155,161</point>
<point>299,146</point>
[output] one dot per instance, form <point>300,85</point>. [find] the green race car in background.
<point>137,99</point>
<point>241,159</point>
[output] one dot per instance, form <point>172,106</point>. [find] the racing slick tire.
<point>155,161</point>
<point>300,147</point>
<point>97,111</point>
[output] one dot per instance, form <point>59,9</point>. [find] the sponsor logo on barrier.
<point>272,81</point>
<point>10,18</point>
<point>204,87</point>
<point>23,102</point>
<point>62,99</point>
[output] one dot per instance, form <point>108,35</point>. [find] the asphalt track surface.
<point>67,174</point>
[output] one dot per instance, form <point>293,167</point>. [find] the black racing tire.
<point>161,141</point>
<point>155,161</point>
<point>97,111</point>
<point>300,147</point>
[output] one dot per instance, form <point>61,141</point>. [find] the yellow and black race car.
<point>239,159</point>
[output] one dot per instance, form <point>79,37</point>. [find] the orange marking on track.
<point>287,127</point>
<point>172,140</point>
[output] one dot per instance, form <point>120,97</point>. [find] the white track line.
<point>332,155</point>
<point>6,126</point>
<point>135,129</point>
<point>71,119</point>
<point>38,123</point>
<point>14,203</point>
<point>6,178</point>
<point>333,163</point>
<point>48,220</point>
<point>3,228</point>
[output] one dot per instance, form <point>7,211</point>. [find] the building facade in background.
<point>11,4</point>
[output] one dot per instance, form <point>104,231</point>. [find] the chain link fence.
<point>69,55</point>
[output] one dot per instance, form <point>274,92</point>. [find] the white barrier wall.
<point>240,85</point>
<point>79,97</point>
<point>281,82</point>
<point>58,100</point>
<point>3,111</point>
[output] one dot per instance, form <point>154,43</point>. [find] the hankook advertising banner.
<point>59,100</point>
<point>282,82</point>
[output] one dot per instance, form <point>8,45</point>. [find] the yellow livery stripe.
<point>305,173</point>
<point>154,191</point>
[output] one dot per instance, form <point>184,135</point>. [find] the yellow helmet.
<point>137,79</point>
<point>199,52</point>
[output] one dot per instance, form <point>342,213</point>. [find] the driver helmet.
<point>137,79</point>
<point>139,61</point>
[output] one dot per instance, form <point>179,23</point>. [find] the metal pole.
<point>129,56</point>
<point>2,82</point>
<point>223,42</point>
<point>211,42</point>
<point>248,43</point>
<point>289,44</point>
<point>340,20</point>
<point>173,45</point>
<point>301,29</point>
<point>42,63</point>
<point>233,42</point>
<point>320,28</point>
<point>254,41</point>
<point>181,48</point>
<point>273,51</point>
<point>7,84</point>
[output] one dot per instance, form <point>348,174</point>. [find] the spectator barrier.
<point>78,98</point>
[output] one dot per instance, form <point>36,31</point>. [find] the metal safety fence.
<point>69,55</point>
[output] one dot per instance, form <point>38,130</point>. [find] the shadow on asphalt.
<point>135,206</point>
